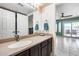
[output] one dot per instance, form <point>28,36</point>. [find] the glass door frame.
<point>69,29</point>
<point>73,31</point>
<point>59,30</point>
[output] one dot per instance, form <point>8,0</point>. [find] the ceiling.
<point>58,4</point>
<point>18,8</point>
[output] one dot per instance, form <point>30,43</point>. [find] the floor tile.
<point>67,46</point>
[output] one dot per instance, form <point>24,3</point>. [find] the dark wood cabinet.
<point>24,53</point>
<point>49,46</point>
<point>42,49</point>
<point>35,51</point>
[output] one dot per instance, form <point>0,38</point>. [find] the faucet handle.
<point>17,37</point>
<point>13,32</point>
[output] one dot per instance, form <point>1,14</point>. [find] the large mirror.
<point>7,24</point>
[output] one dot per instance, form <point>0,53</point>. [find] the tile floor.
<point>67,46</point>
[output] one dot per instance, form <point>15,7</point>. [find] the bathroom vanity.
<point>40,46</point>
<point>42,49</point>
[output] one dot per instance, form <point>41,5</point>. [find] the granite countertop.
<point>5,51</point>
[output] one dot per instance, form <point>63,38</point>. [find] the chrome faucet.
<point>17,37</point>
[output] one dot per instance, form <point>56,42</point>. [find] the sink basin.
<point>20,44</point>
<point>42,34</point>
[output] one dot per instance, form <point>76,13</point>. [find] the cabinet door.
<point>22,24</point>
<point>35,51</point>
<point>44,48</point>
<point>44,51</point>
<point>49,46</point>
<point>24,53</point>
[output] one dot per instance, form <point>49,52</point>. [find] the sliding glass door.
<point>75,29</point>
<point>67,29</point>
<point>71,29</point>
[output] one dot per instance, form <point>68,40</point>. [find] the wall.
<point>67,9</point>
<point>36,18</point>
<point>49,14</point>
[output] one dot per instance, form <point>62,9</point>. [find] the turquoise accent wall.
<point>59,27</point>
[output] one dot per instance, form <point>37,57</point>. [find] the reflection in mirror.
<point>46,27</point>
<point>37,26</point>
<point>7,24</point>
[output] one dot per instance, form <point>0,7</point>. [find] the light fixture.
<point>67,16</point>
<point>62,15</point>
<point>26,5</point>
<point>35,6</point>
<point>39,7</point>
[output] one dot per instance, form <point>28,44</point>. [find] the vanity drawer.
<point>35,51</point>
<point>44,43</point>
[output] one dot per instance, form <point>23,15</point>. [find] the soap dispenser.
<point>46,27</point>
